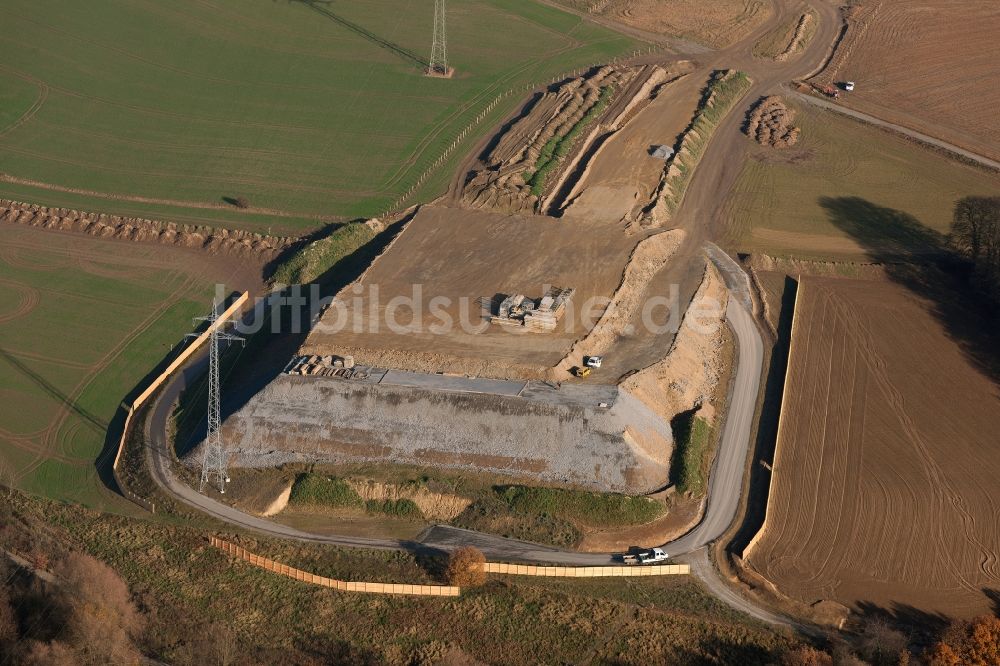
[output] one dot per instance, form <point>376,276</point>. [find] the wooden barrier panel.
<point>586,572</point>
<point>156,383</point>
<point>345,586</point>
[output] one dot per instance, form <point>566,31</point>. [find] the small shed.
<point>662,152</point>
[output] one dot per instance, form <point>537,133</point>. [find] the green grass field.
<point>81,323</point>
<point>308,109</point>
<point>844,188</point>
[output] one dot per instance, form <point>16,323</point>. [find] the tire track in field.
<point>43,95</point>
<point>50,444</point>
<point>188,73</point>
<point>479,99</point>
<point>27,301</point>
<point>85,166</point>
<point>943,491</point>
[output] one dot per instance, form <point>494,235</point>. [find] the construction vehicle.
<point>650,556</point>
<point>829,91</point>
<point>581,372</point>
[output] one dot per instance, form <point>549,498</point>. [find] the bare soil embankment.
<point>215,241</point>
<point>689,374</point>
<point>649,256</point>
<point>523,164</point>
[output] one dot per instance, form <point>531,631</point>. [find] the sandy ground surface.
<point>930,65</point>
<point>884,487</point>
<point>623,175</point>
<point>466,256</point>
<point>689,374</point>
<point>627,304</point>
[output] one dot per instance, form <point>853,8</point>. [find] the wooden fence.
<point>586,572</point>
<point>155,384</point>
<point>340,585</point>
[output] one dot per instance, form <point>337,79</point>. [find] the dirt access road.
<point>700,216</point>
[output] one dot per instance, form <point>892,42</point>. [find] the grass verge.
<point>692,440</point>
<point>333,493</point>
<point>317,258</point>
<point>201,606</point>
<point>553,515</point>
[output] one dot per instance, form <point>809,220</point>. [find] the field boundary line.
<point>792,338</point>
<point>154,385</point>
<point>268,564</point>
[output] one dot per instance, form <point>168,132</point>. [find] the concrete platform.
<point>588,436</point>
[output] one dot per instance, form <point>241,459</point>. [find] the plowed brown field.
<point>930,65</point>
<point>717,24</point>
<point>886,484</point>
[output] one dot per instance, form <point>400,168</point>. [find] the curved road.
<point>725,485</point>
<point>700,216</point>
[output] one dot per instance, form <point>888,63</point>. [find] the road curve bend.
<point>725,482</point>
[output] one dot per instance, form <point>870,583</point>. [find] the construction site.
<point>463,345</point>
<point>323,329</point>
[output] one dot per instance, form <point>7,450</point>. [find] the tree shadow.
<point>922,260</point>
<point>281,329</point>
<point>322,7</point>
<point>923,626</point>
<point>994,596</point>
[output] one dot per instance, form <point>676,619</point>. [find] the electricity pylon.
<point>438,65</point>
<point>214,461</point>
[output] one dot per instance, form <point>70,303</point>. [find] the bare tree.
<point>880,644</point>
<point>101,619</point>
<point>975,232</point>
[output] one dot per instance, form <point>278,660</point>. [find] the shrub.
<point>400,508</point>
<point>465,567</point>
<point>806,656</point>
<point>309,263</point>
<point>322,490</point>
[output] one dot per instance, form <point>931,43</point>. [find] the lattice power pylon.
<point>214,462</point>
<point>438,65</point>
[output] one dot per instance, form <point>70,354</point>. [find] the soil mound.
<point>504,180</point>
<point>770,123</point>
<point>215,241</point>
